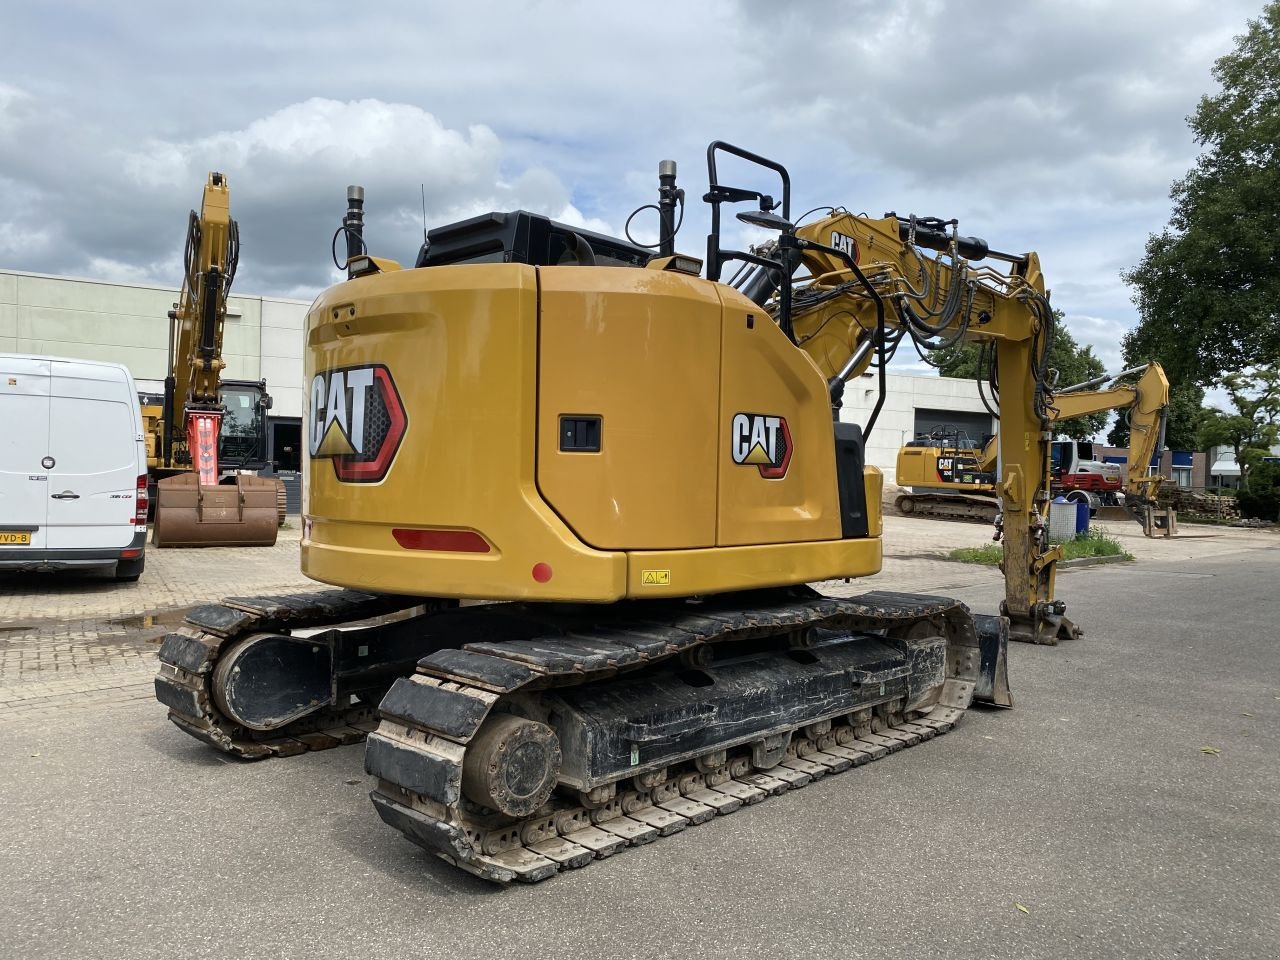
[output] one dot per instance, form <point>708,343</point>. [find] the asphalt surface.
<point>1092,805</point>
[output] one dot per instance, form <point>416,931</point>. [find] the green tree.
<point>1182,420</point>
<point>1261,496</point>
<point>1254,426</point>
<point>1208,287</point>
<point>1073,362</point>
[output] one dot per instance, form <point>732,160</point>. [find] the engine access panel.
<point>674,414</point>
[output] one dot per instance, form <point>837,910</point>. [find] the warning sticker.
<point>655,578</point>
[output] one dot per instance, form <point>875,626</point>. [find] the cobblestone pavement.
<point>76,641</point>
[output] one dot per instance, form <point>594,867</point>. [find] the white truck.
<point>73,466</point>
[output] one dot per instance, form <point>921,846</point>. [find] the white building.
<point>262,340</point>
<point>129,324</point>
<point>913,405</point>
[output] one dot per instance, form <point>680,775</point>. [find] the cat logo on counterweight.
<point>763,441</point>
<point>356,420</point>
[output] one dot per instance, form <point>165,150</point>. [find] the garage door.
<point>976,425</point>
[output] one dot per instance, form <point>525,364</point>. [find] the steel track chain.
<point>428,759</point>
<point>949,507</point>
<point>188,657</point>
<point>568,838</point>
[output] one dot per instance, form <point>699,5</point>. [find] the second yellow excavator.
<point>209,433</point>
<point>640,469</point>
<point>946,476</point>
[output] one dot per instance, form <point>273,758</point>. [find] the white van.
<point>73,466</point>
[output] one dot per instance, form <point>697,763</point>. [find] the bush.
<point>1264,477</point>
<point>1259,506</point>
<point>1260,499</point>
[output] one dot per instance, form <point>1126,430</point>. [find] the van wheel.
<point>128,571</point>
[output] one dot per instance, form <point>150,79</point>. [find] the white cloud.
<point>104,268</point>
<point>288,173</point>
<point>1041,125</point>
<point>13,101</point>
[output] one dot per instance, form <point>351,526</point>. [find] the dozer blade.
<point>1114,513</point>
<point>992,685</point>
<point>238,514</point>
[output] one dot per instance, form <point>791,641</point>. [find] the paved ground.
<point>77,640</point>
<point>1091,804</point>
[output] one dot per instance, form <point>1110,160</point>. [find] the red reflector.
<point>451,541</point>
<point>542,572</point>
<point>130,554</point>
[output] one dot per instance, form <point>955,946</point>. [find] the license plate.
<point>12,537</point>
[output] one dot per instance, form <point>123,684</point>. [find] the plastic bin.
<point>1062,520</point>
<point>1082,517</point>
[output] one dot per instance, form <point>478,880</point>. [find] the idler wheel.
<point>511,765</point>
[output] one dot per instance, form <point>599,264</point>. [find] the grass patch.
<point>1094,544</point>
<point>991,554</point>
<point>1091,544</point>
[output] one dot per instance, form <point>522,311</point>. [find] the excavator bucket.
<point>239,514</point>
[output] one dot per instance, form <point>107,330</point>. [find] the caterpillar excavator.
<point>946,477</point>
<point>207,429</point>
<point>639,470</point>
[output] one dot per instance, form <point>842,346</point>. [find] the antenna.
<point>423,187</point>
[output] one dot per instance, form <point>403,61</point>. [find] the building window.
<point>1182,477</point>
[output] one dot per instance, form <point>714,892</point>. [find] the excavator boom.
<point>1145,403</point>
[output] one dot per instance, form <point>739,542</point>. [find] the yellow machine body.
<point>486,362</point>
<point>954,466</point>
<point>489,361</point>
<point>537,414</point>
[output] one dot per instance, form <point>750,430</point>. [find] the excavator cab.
<point>242,444</point>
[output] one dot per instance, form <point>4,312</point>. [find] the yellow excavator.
<point>208,431</point>
<point>640,470</point>
<point>945,476</point>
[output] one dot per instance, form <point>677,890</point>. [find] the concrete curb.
<point>1093,561</point>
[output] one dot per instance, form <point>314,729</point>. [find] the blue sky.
<point>1040,125</point>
